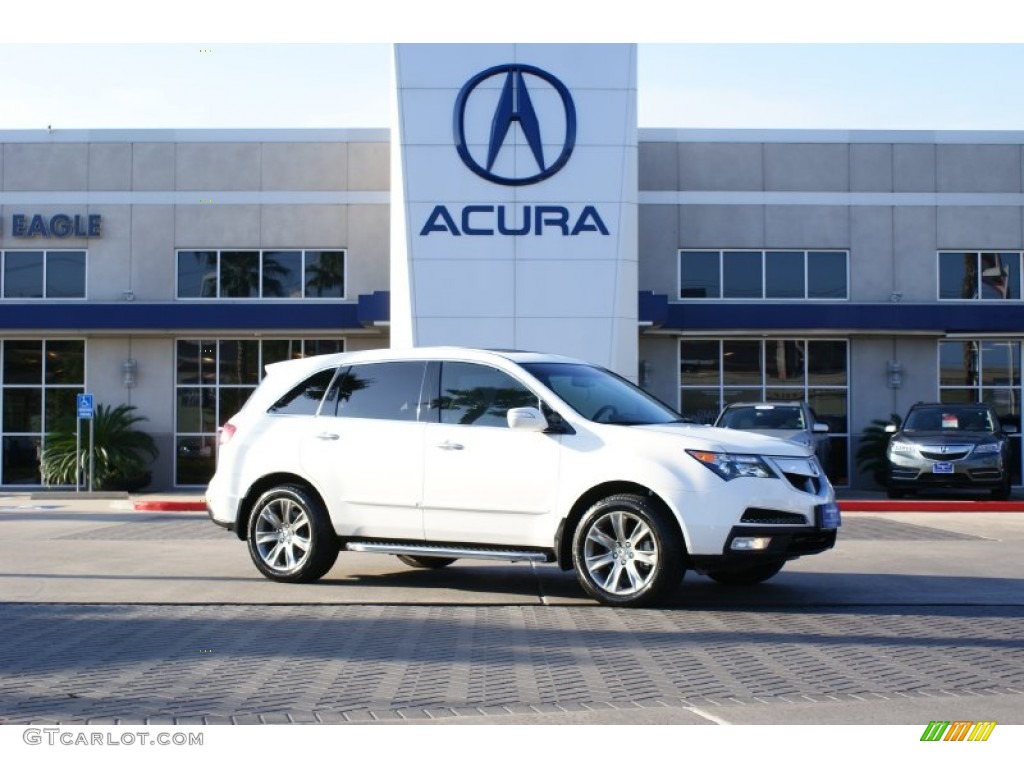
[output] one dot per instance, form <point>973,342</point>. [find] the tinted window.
<point>699,275</point>
<point>378,391</point>
<point>826,275</point>
<point>304,399</point>
<point>480,395</point>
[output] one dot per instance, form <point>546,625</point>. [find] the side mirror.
<point>890,429</point>
<point>819,427</point>
<point>526,419</point>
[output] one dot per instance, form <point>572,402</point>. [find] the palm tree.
<point>871,454</point>
<point>120,452</point>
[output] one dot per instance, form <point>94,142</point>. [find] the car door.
<point>365,450</point>
<point>484,482</point>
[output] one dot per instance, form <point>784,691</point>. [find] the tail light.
<point>225,433</point>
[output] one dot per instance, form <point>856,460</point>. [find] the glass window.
<point>65,362</point>
<point>784,362</point>
<point>196,459</point>
<point>304,399</point>
<point>23,362</point>
<point>239,362</point>
<point>699,276</point>
<point>381,391</point>
<point>282,274</point>
<point>23,409</point>
<point>65,274</point>
<point>741,363</point>
<point>826,363</point>
<point>480,395</point>
<point>701,405</point>
<point>958,275</point>
<point>21,460</point>
<point>1000,364</point>
<point>23,274</point>
<point>826,275</point>
<point>197,274</point>
<point>325,274</point>
<point>699,362</point>
<point>959,363</point>
<point>741,275</point>
<point>784,275</point>
<point>1000,275</point>
<point>239,274</point>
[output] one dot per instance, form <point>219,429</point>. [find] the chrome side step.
<point>428,550</point>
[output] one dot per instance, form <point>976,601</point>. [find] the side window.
<point>378,391</point>
<point>304,399</point>
<point>480,395</point>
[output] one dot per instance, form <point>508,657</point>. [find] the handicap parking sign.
<point>85,406</point>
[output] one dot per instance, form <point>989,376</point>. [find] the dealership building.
<point>514,202</point>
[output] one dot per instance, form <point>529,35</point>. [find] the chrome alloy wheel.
<point>283,535</point>
<point>620,552</point>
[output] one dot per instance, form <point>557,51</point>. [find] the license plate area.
<point>942,468</point>
<point>827,516</point>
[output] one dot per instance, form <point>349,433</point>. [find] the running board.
<point>427,550</point>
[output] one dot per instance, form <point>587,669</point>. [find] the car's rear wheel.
<point>627,551</point>
<point>741,577</point>
<point>290,536</point>
<point>426,561</point>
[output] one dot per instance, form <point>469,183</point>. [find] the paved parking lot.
<point>112,615</point>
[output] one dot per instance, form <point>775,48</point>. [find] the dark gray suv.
<point>949,446</point>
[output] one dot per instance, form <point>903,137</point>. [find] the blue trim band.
<point>939,318</point>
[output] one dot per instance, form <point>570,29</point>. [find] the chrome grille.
<point>945,452</point>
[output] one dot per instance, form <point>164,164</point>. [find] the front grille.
<point>949,452</point>
<point>759,516</point>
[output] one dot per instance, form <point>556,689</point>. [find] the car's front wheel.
<point>627,551</point>
<point>741,577</point>
<point>290,536</point>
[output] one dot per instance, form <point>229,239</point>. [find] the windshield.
<point>763,417</point>
<point>600,395</point>
<point>949,420</point>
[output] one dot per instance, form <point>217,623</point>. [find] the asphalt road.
<point>116,616</point>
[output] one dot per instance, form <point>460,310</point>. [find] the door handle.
<point>328,436</point>
<point>448,445</point>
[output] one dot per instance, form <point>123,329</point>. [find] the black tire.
<point>290,535</point>
<point>426,561</point>
<point>895,493</point>
<point>627,551</point>
<point>742,577</point>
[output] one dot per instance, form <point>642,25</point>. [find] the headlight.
<point>896,447</point>
<point>988,448</point>
<point>729,466</point>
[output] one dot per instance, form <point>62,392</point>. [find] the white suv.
<point>445,453</point>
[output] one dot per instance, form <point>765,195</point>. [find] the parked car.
<point>793,421</point>
<point>949,446</point>
<point>445,453</point>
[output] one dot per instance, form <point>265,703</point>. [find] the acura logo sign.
<point>515,104</point>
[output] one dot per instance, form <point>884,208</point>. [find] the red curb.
<point>170,506</point>
<point>917,505</point>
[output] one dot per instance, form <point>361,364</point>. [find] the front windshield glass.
<point>763,417</point>
<point>947,419</point>
<point>600,395</point>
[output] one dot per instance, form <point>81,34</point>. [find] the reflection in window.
<point>43,274</point>
<point>279,274</point>
<point>304,399</point>
<point>763,274</point>
<point>379,391</point>
<point>480,395</point>
<point>979,275</point>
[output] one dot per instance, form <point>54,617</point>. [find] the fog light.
<point>749,543</point>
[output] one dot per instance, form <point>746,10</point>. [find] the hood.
<point>728,440</point>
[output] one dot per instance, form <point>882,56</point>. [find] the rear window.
<point>304,399</point>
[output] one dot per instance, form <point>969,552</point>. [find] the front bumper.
<point>785,543</point>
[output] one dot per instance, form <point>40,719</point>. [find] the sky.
<point>304,65</point>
